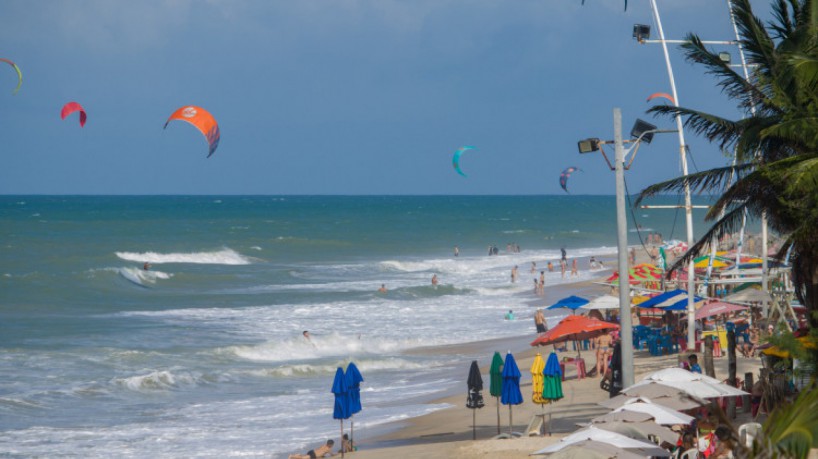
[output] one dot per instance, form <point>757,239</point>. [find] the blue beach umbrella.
<point>353,379</point>
<point>341,391</point>
<point>511,388</point>
<point>572,302</point>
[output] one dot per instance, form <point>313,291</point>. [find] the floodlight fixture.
<point>724,56</point>
<point>641,32</point>
<point>643,129</point>
<point>588,145</point>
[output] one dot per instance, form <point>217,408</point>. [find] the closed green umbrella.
<point>552,383</point>
<point>496,386</point>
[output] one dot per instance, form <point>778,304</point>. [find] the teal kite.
<point>456,159</point>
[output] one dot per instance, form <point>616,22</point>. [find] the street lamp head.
<point>641,32</point>
<point>588,145</point>
<point>725,57</point>
<point>643,129</point>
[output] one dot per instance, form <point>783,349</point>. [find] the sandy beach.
<point>447,433</point>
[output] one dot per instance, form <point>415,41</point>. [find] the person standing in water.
<point>456,251</point>
<point>434,280</point>
<point>146,266</point>
<point>574,269</point>
<point>382,289</point>
<point>514,274</point>
<point>539,321</point>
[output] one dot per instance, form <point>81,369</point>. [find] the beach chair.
<point>748,432</point>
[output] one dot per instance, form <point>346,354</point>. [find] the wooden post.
<point>731,372</point>
<point>746,400</point>
<point>708,357</point>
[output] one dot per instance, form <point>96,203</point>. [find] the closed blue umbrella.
<point>341,391</point>
<point>511,387</point>
<point>353,379</point>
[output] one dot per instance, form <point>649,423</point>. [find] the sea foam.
<point>222,257</point>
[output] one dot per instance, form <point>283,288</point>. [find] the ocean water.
<point>202,355</point>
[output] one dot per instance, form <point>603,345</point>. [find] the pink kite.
<point>662,94</point>
<point>72,107</point>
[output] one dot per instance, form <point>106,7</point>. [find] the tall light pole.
<point>642,131</point>
<point>625,324</point>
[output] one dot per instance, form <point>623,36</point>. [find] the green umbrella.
<point>496,387</point>
<point>552,382</point>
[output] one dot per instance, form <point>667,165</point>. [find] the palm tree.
<point>776,144</point>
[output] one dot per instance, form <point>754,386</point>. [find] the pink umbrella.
<point>717,307</point>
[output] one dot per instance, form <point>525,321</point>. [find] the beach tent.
<point>750,295</point>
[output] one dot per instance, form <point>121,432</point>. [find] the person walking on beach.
<point>314,453</point>
<point>604,349</point>
<point>539,322</point>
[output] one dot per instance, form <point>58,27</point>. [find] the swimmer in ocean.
<point>146,266</point>
<point>383,288</point>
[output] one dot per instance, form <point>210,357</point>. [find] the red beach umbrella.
<point>574,328</point>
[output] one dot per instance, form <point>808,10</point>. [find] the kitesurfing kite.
<point>72,107</point>
<point>663,95</point>
<point>203,121</point>
<point>19,74</point>
<point>456,159</point>
<point>564,177</point>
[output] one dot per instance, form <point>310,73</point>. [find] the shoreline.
<point>414,431</point>
<point>448,432</point>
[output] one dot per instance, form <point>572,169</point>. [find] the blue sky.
<point>341,97</point>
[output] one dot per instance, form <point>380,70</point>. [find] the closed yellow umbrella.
<point>537,380</point>
<point>537,384</point>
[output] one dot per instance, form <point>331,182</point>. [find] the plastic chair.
<point>692,453</point>
<point>748,432</point>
